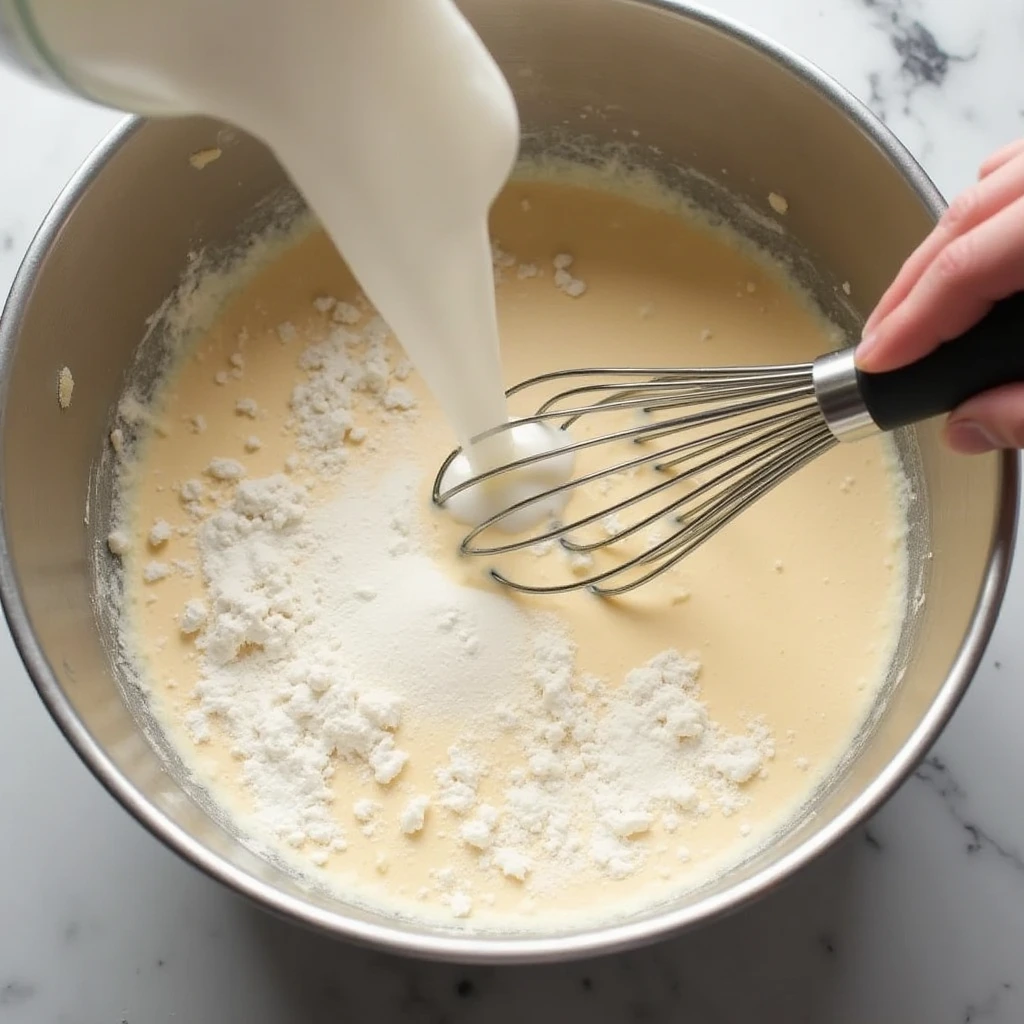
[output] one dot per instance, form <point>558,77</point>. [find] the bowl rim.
<point>488,948</point>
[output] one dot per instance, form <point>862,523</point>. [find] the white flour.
<point>317,642</point>
<point>446,649</point>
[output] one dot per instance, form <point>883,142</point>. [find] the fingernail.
<point>868,343</point>
<point>970,437</point>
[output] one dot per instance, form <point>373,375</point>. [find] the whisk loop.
<point>728,436</point>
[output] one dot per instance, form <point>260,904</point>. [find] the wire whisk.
<point>707,443</point>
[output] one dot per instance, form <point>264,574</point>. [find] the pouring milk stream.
<point>394,122</point>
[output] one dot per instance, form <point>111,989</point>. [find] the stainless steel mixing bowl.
<point>709,96</point>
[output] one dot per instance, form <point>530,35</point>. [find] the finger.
<point>1001,157</point>
<point>989,421</point>
<point>1000,188</point>
<point>953,293</point>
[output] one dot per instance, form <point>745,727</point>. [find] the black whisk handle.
<point>987,356</point>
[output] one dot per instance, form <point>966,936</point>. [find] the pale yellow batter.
<point>792,611</point>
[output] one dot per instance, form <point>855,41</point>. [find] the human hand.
<point>973,258</point>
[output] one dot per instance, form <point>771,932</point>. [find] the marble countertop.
<point>917,919</point>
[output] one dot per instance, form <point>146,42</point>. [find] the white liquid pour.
<point>394,122</point>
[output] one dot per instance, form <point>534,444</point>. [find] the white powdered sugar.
<point>564,279</point>
<point>414,816</point>
<point>192,616</point>
<point>346,313</point>
<point>160,533</point>
<point>326,627</point>
<point>273,675</point>
<point>602,766</point>
<point>349,364</point>
<point>154,571</point>
<point>225,469</point>
<point>446,648</point>
<point>119,542</point>
<point>247,407</point>
<point>317,643</point>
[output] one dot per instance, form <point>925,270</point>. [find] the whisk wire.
<point>781,439</point>
<point>639,432</point>
<point>744,430</point>
<point>660,396</point>
<point>681,374</point>
<point>689,542</point>
<point>558,531</point>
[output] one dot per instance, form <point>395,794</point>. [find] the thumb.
<point>989,421</point>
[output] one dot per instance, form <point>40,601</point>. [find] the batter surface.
<point>513,769</point>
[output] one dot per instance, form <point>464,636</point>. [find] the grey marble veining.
<point>936,775</point>
<point>917,919</point>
